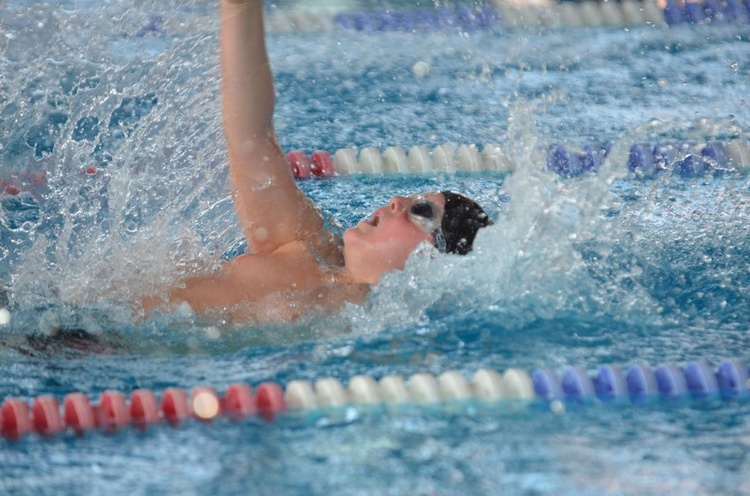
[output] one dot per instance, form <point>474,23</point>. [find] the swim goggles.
<point>425,214</point>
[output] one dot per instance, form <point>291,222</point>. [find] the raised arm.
<point>272,210</point>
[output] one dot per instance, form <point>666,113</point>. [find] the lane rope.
<point>639,384</point>
<point>645,159</point>
<point>563,14</point>
<point>688,159</point>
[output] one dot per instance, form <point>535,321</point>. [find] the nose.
<point>397,204</point>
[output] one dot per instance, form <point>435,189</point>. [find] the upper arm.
<point>272,210</point>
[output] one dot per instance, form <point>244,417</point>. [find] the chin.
<point>347,236</point>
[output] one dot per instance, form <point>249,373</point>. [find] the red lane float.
<point>9,188</point>
<point>113,411</point>
<point>269,400</point>
<point>45,416</point>
<point>79,414</point>
<point>240,401</point>
<point>29,181</point>
<point>321,163</point>
<point>299,163</point>
<point>175,406</point>
<point>16,420</point>
<point>144,409</point>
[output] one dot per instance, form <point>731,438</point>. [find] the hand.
<point>243,3</point>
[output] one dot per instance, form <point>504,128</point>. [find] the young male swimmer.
<point>295,262</point>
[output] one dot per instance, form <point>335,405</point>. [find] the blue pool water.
<point>608,268</point>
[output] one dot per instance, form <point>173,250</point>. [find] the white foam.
<point>421,69</point>
<point>4,317</point>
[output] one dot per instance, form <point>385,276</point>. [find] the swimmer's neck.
<point>357,276</point>
<point>345,276</point>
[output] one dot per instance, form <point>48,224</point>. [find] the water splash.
<point>133,161</point>
<point>124,122</point>
<point>600,245</point>
<point>529,264</point>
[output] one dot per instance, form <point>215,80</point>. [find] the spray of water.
<point>527,266</point>
<point>606,245</point>
<point>127,129</point>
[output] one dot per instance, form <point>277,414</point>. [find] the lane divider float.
<point>645,159</point>
<point>640,384</point>
<point>586,13</point>
<point>30,181</point>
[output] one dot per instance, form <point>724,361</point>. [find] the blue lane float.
<point>716,152</point>
<point>641,384</point>
<point>610,384</point>
<point>547,386</point>
<point>733,380</point>
<point>443,18</point>
<point>670,382</point>
<point>701,380</point>
<point>709,11</point>
<point>642,158</point>
<point>577,385</point>
<point>688,159</point>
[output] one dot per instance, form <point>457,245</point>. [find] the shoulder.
<point>289,306</point>
<point>293,265</point>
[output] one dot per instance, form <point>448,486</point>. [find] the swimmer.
<point>294,262</point>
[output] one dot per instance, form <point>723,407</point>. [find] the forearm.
<point>247,92</point>
<point>271,209</point>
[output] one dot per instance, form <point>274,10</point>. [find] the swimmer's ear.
<point>427,250</point>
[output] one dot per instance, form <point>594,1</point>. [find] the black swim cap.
<point>462,218</point>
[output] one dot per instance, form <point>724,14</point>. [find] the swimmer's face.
<point>383,242</point>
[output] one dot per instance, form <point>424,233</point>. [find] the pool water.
<point>605,268</point>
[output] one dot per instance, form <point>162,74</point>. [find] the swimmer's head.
<point>381,244</point>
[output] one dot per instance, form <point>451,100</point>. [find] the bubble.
<point>49,323</point>
<point>260,234</point>
<point>4,317</point>
<point>213,333</point>
<point>420,69</point>
<point>557,407</point>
